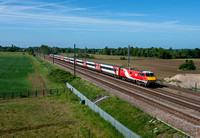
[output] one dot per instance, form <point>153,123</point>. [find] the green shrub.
<point>31,52</point>
<point>122,58</point>
<point>81,55</point>
<point>188,65</point>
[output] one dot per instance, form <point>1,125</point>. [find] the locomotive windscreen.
<point>149,74</point>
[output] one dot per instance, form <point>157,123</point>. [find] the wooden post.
<point>198,132</point>
<point>85,53</point>
<point>74,59</point>
<point>44,53</point>
<point>53,55</point>
<point>128,56</point>
<point>195,86</point>
<point>36,93</point>
<point>50,91</point>
<point>43,92</point>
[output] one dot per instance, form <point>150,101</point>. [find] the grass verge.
<point>58,115</point>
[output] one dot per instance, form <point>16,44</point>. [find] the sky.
<point>100,23</point>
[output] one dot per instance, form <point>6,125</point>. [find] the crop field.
<point>15,72</point>
<point>163,68</point>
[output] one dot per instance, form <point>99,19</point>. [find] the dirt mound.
<point>184,80</point>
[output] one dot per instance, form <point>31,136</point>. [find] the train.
<point>144,78</point>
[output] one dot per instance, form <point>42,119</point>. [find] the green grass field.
<point>14,72</point>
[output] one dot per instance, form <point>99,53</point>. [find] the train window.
<point>149,74</point>
<point>141,74</point>
<point>79,62</point>
<point>91,64</point>
<point>107,68</point>
<point>130,72</point>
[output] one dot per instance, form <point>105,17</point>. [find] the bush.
<point>122,58</point>
<point>188,65</point>
<point>31,52</point>
<point>60,76</point>
<point>81,55</point>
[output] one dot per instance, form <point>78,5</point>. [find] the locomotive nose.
<point>151,78</point>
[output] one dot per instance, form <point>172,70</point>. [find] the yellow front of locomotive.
<point>151,78</point>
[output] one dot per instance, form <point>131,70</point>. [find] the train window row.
<point>80,62</point>
<point>107,68</point>
<point>91,64</point>
<point>95,65</point>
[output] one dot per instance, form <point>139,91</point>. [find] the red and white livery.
<point>140,77</point>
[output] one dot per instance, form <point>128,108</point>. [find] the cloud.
<point>52,14</point>
<point>108,13</point>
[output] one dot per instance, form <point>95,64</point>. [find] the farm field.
<point>15,72</point>
<point>163,68</point>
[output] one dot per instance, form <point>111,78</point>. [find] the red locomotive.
<point>140,77</point>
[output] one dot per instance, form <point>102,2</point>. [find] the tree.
<point>106,51</point>
<point>164,54</point>
<point>196,53</point>
<point>188,65</point>
<point>44,49</point>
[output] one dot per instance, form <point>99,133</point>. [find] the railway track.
<point>195,93</point>
<point>141,93</point>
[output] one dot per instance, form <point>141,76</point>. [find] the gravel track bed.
<point>171,119</point>
<point>183,91</point>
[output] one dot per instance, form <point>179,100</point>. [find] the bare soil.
<point>185,80</point>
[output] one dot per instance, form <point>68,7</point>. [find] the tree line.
<point>153,52</point>
<point>134,51</point>
<point>11,48</point>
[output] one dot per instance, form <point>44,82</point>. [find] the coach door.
<point>97,66</point>
<point>142,76</point>
<point>118,71</point>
